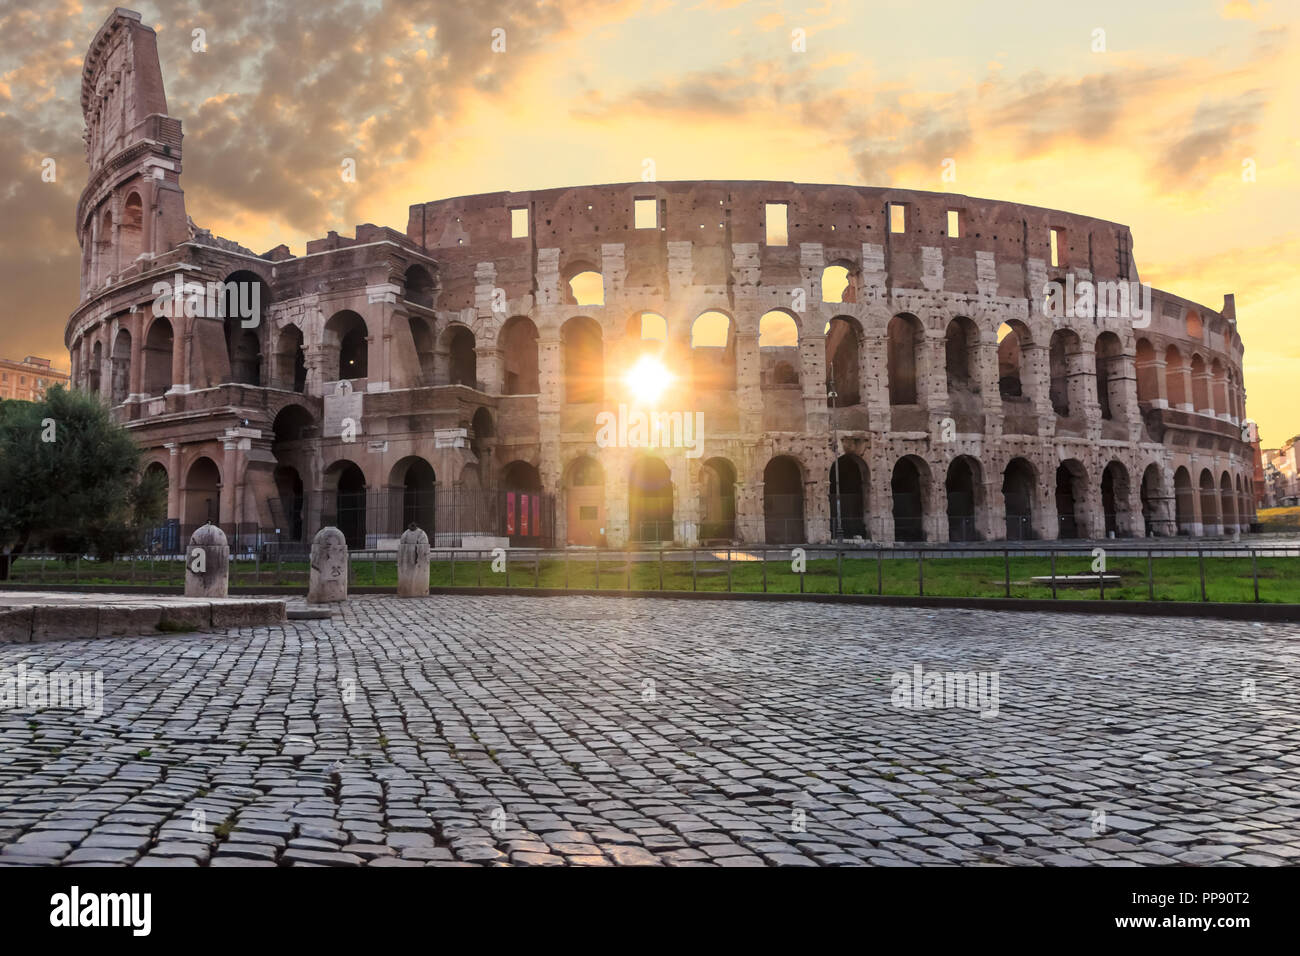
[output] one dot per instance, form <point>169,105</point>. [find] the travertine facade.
<point>454,361</point>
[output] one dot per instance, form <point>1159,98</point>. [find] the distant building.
<point>1282,474</point>
<point>27,380</point>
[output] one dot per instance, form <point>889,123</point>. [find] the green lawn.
<point>1227,579</point>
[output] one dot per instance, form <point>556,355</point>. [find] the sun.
<point>647,379</point>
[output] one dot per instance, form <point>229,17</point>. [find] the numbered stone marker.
<point>207,563</point>
<point>413,563</point>
<point>329,567</point>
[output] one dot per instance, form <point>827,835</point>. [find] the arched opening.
<point>426,351</point>
<point>1063,352</point>
<point>584,361</point>
<point>1013,338</point>
<point>1018,486</point>
<point>120,367</point>
<point>586,502</point>
<point>158,357</point>
<point>650,501</point>
<point>906,335</point>
<point>202,494</point>
<point>462,361</point>
<point>1115,500</point>
<point>519,356</point>
<point>104,250</point>
<point>713,352</point>
<point>130,236</point>
<point>1210,523</point>
<point>1148,382</point>
<point>586,288</point>
<point>291,360</point>
<point>843,360</point>
<point>163,537</point>
<point>778,349</point>
<point>346,332</point>
<point>289,508</point>
<point>521,487</point>
<point>1219,384</point>
<point>349,502</point>
<point>1200,386</point>
<point>245,302</point>
<point>1227,504</point>
<point>783,501</point>
<point>482,432</point>
<point>717,501</point>
<point>292,424</point>
<point>1184,502</point>
<point>1071,499</point>
<point>838,284</point>
<point>961,340</point>
<point>849,505</point>
<point>96,368</point>
<point>414,479</point>
<point>963,487</point>
<point>1175,377</point>
<point>907,486</point>
<point>419,286</point>
<point>1109,355</point>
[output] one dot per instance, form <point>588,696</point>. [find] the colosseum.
<point>869,364</point>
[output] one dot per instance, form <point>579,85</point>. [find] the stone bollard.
<point>207,563</point>
<point>413,563</point>
<point>329,567</point>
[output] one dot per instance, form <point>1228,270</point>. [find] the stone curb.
<point>39,623</point>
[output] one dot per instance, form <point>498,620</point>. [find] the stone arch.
<point>583,349</point>
<point>456,361</point>
<point>961,353</point>
<point>783,509</point>
<point>1184,502</point>
<point>418,286</point>
<point>964,485</point>
<point>1148,384</point>
<point>130,232</point>
<point>120,368</point>
<point>584,489</point>
<point>1115,492</point>
<point>1200,385</point>
<point>583,284</point>
<point>650,501</point>
<point>200,495</point>
<point>1013,339</point>
<point>906,337</point>
<point>1210,523</point>
<point>1219,387</point>
<point>159,343</point>
<point>839,282</point>
<point>909,486</point>
<point>425,342</point>
<point>346,488</point>
<point>519,365</point>
<point>1072,499</point>
<point>844,359</point>
<point>96,367</point>
<point>243,333</point>
<point>1019,488</point>
<point>1109,358</point>
<point>347,344</point>
<point>1064,351</point>
<point>850,497</point>
<point>1155,503</point>
<point>291,360</point>
<point>414,483</point>
<point>1175,377</point>
<point>717,501</point>
<point>713,351</point>
<point>1228,504</point>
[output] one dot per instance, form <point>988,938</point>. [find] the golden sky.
<point>1175,117</point>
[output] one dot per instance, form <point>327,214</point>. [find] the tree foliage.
<point>70,479</point>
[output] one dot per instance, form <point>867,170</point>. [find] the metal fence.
<point>1222,573</point>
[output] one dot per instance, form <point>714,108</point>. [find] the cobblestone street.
<point>597,731</point>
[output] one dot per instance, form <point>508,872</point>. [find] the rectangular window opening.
<point>519,223</point>
<point>776,216</point>
<point>646,214</point>
<point>897,217</point>
<point>1055,240</point>
<point>954,224</point>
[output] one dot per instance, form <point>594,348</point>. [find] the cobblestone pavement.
<point>598,731</point>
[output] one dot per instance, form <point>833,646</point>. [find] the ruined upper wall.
<point>713,216</point>
<point>121,85</point>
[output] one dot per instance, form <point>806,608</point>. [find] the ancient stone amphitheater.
<point>873,363</point>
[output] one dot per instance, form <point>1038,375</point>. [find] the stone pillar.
<point>135,380</point>
<point>173,480</point>
<point>207,564</point>
<point>329,567</point>
<point>413,563</point>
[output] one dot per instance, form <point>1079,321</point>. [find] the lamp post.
<point>837,532</point>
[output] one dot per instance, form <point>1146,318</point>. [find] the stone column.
<point>207,564</point>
